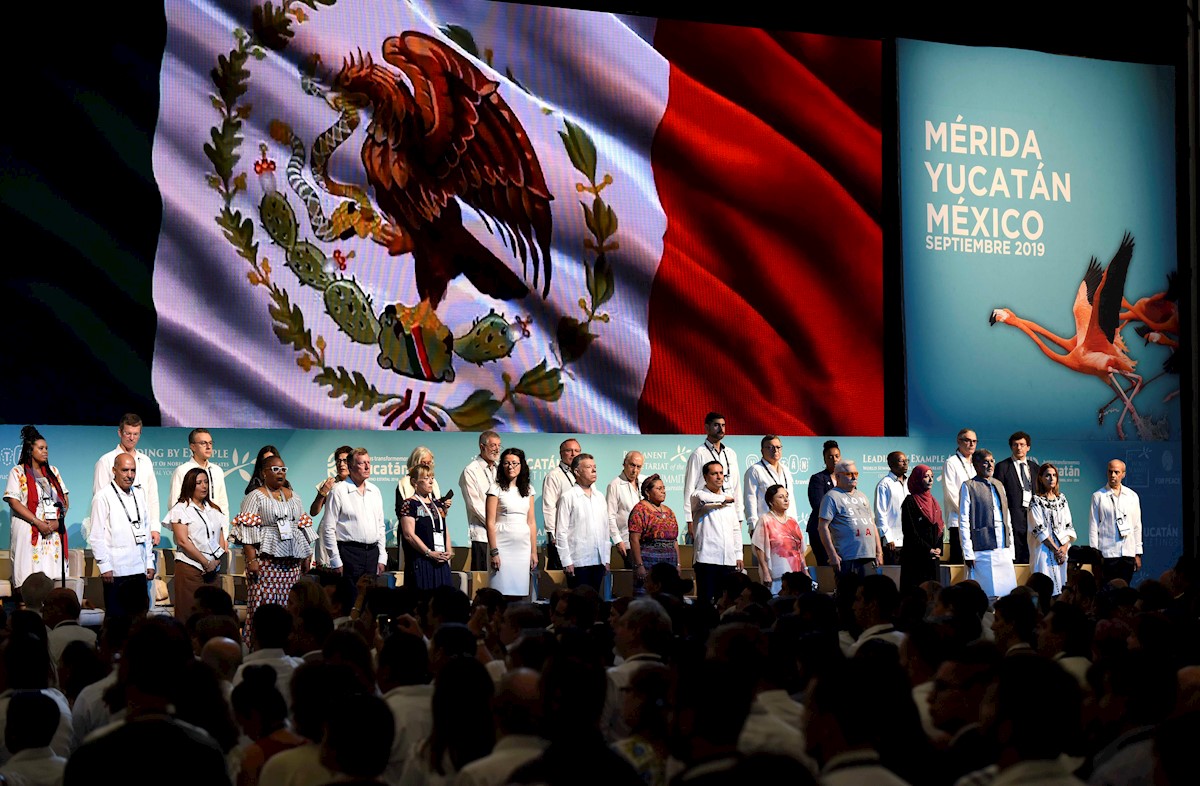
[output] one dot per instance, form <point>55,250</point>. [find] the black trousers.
<point>818,548</point>
<point>709,578</point>
<point>590,575</point>
<point>358,559</point>
<point>1119,568</point>
<point>479,555</point>
<point>112,592</point>
<point>956,555</point>
<point>860,567</point>
<point>552,560</point>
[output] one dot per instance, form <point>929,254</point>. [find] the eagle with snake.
<point>440,132</point>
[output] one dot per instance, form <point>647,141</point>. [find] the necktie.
<point>1025,477</point>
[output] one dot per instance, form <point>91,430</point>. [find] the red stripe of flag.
<point>768,301</point>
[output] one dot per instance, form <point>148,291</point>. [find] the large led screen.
<point>461,215</point>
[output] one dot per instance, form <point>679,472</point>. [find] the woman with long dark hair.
<point>511,529</point>
<point>38,498</point>
<point>198,525</point>
<point>1051,531</point>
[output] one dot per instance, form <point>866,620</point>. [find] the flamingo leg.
<point>1127,398</point>
<point>1104,410</point>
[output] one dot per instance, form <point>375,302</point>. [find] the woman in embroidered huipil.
<point>1050,529</point>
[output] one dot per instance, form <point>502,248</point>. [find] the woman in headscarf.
<point>921,520</point>
<point>38,498</point>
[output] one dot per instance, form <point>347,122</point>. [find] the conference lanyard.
<point>775,480</point>
<point>136,524</point>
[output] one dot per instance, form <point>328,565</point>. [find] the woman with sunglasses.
<point>1050,529</point>
<point>276,536</point>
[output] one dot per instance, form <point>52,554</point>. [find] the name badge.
<point>48,512</point>
<point>220,552</point>
<point>139,535</point>
<point>1122,526</point>
<point>439,541</point>
<point>285,529</point>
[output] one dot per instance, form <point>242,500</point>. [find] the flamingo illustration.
<point>1096,348</point>
<point>1159,312</point>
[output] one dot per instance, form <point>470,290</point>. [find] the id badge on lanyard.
<point>1122,521</point>
<point>47,510</point>
<point>438,526</point>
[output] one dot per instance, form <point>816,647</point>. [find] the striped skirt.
<point>274,582</point>
<point>654,552</point>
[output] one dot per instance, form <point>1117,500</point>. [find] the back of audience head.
<point>272,627</point>
<point>450,641</point>
<point>257,703</point>
<point>645,626</point>
<point>315,687</point>
<point>876,601</point>
<point>574,685</point>
<point>646,706</point>
<point>340,591</point>
<point>1065,629</point>
<point>211,599</point>
<point>518,617</point>
<point>79,666</point>
<point>517,705</point>
<point>26,661</point>
<point>1043,586</point>
<point>213,626</point>
<point>313,627</point>
<point>306,593</point>
<point>960,683</point>
<point>347,647</point>
<point>32,721</point>
<point>35,589</point>
<point>223,654</point>
<point>351,743</point>
<point>1016,618</point>
<point>463,729</point>
<point>448,604</point>
<point>61,605</point>
<point>1005,711</point>
<point>404,660</point>
<point>532,649</point>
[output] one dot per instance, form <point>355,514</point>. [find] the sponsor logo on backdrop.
<point>1137,468</point>
<point>10,456</point>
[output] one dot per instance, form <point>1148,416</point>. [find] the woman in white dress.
<point>38,498</point>
<point>511,529</point>
<point>1050,529</point>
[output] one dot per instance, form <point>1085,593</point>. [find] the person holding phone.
<point>424,534</point>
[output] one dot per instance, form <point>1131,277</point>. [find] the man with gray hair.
<point>986,529</point>
<point>957,470</point>
<point>622,494</point>
<point>847,524</point>
<point>476,477</point>
<point>641,635</point>
<point>557,482</point>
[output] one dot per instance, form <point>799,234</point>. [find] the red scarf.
<point>33,499</point>
<point>924,499</point>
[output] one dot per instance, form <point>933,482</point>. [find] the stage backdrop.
<point>1153,468</point>
<point>1036,191</point>
<point>453,215</point>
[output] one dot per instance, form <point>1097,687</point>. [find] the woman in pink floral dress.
<point>778,541</point>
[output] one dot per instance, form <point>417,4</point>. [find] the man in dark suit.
<point>1019,474</point>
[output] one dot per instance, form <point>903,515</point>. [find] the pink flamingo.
<point>1096,348</point>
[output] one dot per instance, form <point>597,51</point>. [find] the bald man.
<point>1116,525</point>
<point>224,656</point>
<point>622,494</point>
<point>120,536</point>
